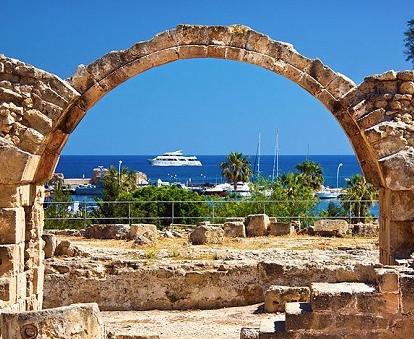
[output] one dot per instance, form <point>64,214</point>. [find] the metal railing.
<point>190,212</point>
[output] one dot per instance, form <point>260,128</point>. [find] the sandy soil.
<point>297,250</point>
<point>221,323</point>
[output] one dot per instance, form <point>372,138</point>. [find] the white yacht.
<point>329,193</point>
<point>174,159</point>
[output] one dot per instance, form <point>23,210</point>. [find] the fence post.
<point>129,213</point>
<point>84,215</point>
<point>212,220</point>
<point>172,213</point>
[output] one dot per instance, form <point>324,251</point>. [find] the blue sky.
<point>207,106</point>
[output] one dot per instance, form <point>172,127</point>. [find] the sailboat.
<point>257,159</point>
<point>276,158</point>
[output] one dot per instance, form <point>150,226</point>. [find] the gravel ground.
<point>221,323</point>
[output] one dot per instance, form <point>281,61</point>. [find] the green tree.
<point>358,198</point>
<point>312,172</point>
<point>114,185</point>
<point>162,205</point>
<point>236,168</point>
<point>333,211</point>
<point>409,41</point>
<point>57,213</point>
<point>299,198</point>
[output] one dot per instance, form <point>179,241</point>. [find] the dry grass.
<point>175,247</point>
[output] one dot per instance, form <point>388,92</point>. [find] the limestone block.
<point>216,52</point>
<point>65,248</point>
<point>387,280</point>
<point>38,278</point>
<point>189,52</point>
<point>11,259</point>
<point>21,282</point>
<point>14,195</point>
<point>399,239</point>
<point>80,321</point>
<point>310,84</point>
<point>281,228</point>
<point>140,240</point>
<point>362,322</point>
<point>299,316</point>
<point>191,35</point>
<point>338,296</point>
<point>330,227</point>
<point>407,294</point>
<point>256,225</point>
<point>205,234</point>
<point>366,230</point>
<point>7,291</point>
<point>407,87</point>
<point>402,205</point>
<point>392,165</point>
<point>149,231</point>
<point>378,303</point>
<point>235,229</point>
<point>107,231</point>
<point>12,225</point>
<point>402,328</point>
<point>277,296</point>
<point>372,118</point>
<point>16,166</point>
<point>50,245</point>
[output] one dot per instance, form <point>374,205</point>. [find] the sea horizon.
<point>78,166</point>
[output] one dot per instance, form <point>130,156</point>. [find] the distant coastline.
<point>78,166</point>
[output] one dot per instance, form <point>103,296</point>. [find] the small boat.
<point>175,159</point>
<point>329,193</point>
<point>220,189</point>
<point>242,189</point>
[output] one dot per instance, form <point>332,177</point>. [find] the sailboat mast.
<point>277,153</point>
<point>274,159</point>
<point>258,157</point>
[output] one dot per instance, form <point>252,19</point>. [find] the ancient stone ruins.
<point>38,111</point>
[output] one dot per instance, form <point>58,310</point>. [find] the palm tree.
<point>296,198</point>
<point>294,184</point>
<point>236,168</point>
<point>115,183</point>
<point>358,198</point>
<point>312,172</point>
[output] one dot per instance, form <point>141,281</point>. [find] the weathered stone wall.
<point>134,285</point>
<point>32,103</point>
<point>383,108</point>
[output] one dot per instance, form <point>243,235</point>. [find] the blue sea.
<point>77,166</point>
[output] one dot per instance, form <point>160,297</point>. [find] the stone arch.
<point>238,43</point>
<point>38,111</point>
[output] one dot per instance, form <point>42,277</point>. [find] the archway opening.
<point>253,292</point>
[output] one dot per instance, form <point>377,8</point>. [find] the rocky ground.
<point>297,250</point>
<point>177,290</point>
